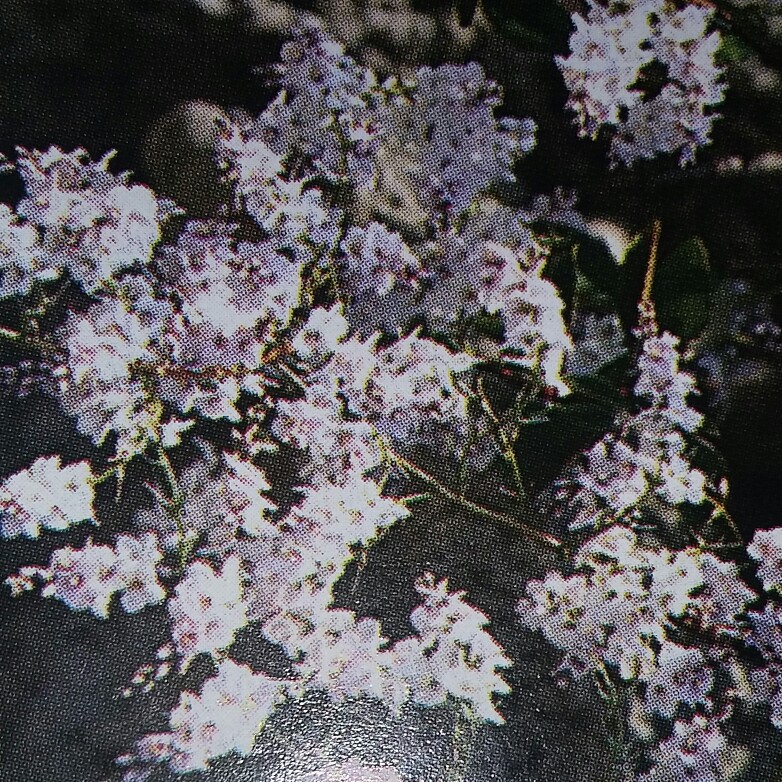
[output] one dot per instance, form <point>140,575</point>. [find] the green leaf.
<point>633,271</point>
<point>584,271</point>
<point>571,425</point>
<point>537,25</point>
<point>682,289</point>
<point>732,49</point>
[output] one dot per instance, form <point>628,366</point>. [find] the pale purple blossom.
<point>91,222</point>
<point>224,717</point>
<point>609,50</point>
<point>45,495</point>
<point>207,609</point>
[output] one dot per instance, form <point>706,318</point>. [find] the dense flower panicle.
<point>22,257</point>
<point>378,260</point>
<point>87,579</point>
<point>45,496</point>
<point>495,266</point>
<point>664,384</point>
<point>347,658</point>
<point>432,141</point>
<point>207,609</point>
<point>610,49</point>
<point>445,119</point>
<point>335,447</point>
<point>136,571</point>
<point>83,578</point>
<point>452,655</point>
<point>460,658</point>
<point>224,717</point>
<point>293,214</point>
<point>617,605</point>
<point>404,390</point>
<point>766,549</point>
<point>320,335</point>
<point>101,390</point>
<point>384,279</point>
<point>232,298</point>
<point>91,222</point>
<point>722,599</point>
<point>227,283</point>
<point>535,333</point>
<point>354,512</point>
<point>325,109</point>
<point>682,676</point>
<point>604,60</point>
<point>410,388</point>
<point>611,472</point>
<point>647,455</point>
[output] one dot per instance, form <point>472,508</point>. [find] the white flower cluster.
<point>766,550</point>
<point>87,578</point>
<point>195,343</point>
<point>618,613</point>
<point>417,155</point>
<point>45,496</point>
<point>324,112</point>
<point>765,634</point>
<point>301,322</point>
<point>494,265</point>
<point>281,577</point>
<point>103,344</point>
<point>452,108</point>
<point>333,118</point>
<point>76,216</point>
<point>224,717</point>
<point>647,456</point>
<point>695,750</point>
<point>610,51</point>
<point>617,607</point>
<point>651,624</point>
<point>461,657</point>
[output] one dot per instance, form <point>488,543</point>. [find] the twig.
<point>506,445</point>
<point>408,466</point>
<point>651,267</point>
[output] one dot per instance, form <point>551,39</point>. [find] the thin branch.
<point>651,267</point>
<point>506,445</point>
<point>473,507</point>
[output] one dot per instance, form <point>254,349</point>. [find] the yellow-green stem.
<point>473,507</point>
<point>506,446</point>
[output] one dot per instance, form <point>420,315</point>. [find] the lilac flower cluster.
<point>45,495</point>
<point>272,332</point>
<point>645,460</point>
<point>660,629</point>
<point>612,49</point>
<point>76,216</point>
<point>333,313</point>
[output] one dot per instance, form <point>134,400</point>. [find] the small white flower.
<point>207,609</point>
<point>45,495</point>
<point>84,579</point>
<point>225,717</point>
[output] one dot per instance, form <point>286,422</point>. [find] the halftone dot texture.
<point>328,445</point>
